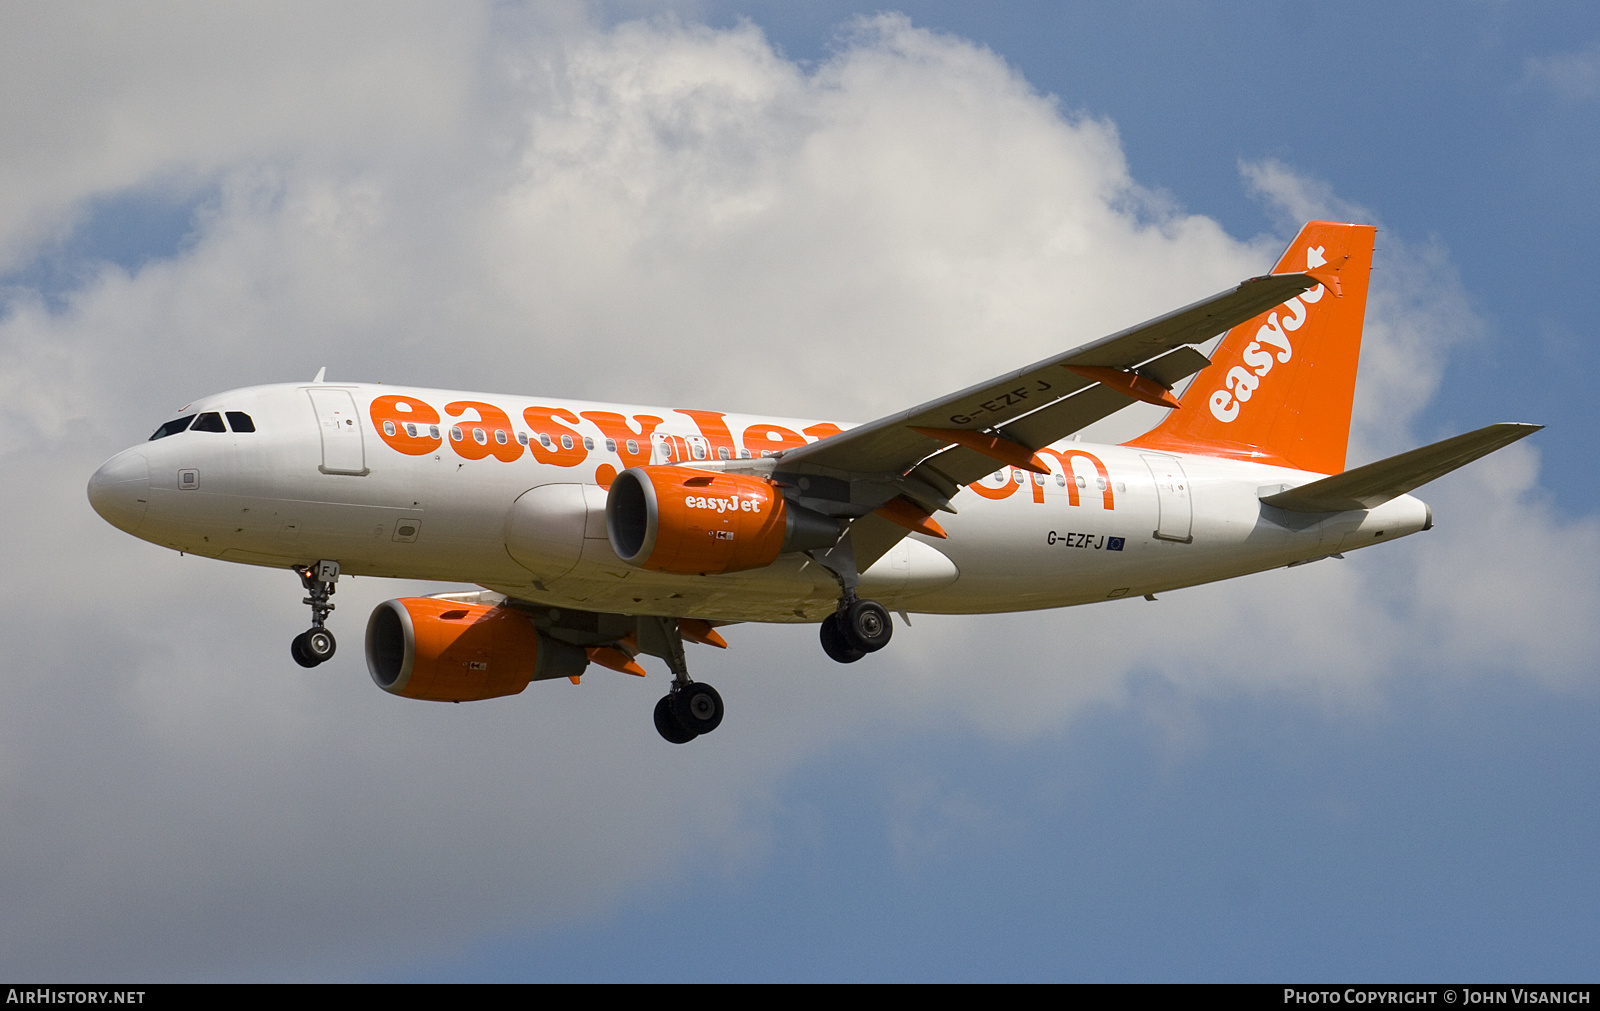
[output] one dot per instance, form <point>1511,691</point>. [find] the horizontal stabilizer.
<point>1376,483</point>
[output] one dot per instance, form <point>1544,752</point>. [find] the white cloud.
<point>659,212</point>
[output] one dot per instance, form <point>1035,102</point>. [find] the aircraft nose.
<point>120,490</point>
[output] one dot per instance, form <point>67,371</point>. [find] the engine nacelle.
<point>676,519</point>
<point>447,651</point>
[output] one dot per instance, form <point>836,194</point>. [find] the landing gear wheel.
<point>835,644</point>
<point>667,723</point>
<point>297,649</point>
<point>320,644</point>
<point>697,707</point>
<point>867,625</point>
<point>313,646</point>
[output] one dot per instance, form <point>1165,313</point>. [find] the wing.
<point>927,454</point>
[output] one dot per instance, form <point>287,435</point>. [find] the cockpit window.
<point>210,421</point>
<point>240,422</point>
<point>172,427</point>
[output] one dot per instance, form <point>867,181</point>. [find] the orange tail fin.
<point>1279,388</point>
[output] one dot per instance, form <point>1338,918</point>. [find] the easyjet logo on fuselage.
<point>481,430</point>
<point>477,430</point>
<point>1271,346</point>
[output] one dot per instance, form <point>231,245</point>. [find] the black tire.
<point>667,724</point>
<point>318,644</point>
<point>297,649</point>
<point>697,707</point>
<point>835,644</point>
<point>867,626</point>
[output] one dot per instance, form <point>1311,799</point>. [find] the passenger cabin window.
<point>240,422</point>
<point>172,427</point>
<point>611,445</point>
<point>588,443</point>
<point>633,448</point>
<point>723,454</point>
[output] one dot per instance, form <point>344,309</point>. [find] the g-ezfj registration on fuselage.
<point>604,532</point>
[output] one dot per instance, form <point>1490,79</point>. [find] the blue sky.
<point>1379,768</point>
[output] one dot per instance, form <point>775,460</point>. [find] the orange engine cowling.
<point>446,651</point>
<point>676,519</point>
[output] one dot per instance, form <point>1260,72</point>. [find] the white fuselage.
<point>320,478</point>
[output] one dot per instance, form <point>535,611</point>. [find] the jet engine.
<point>448,651</point>
<point>676,519</point>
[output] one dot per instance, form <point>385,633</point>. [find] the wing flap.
<point>1372,485</point>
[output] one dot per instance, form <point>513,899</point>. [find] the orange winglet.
<point>575,678</point>
<point>1129,384</point>
<point>697,630</point>
<point>908,514</point>
<point>615,659</point>
<point>992,446</point>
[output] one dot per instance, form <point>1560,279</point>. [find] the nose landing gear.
<point>316,644</point>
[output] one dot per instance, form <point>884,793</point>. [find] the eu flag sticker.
<point>1114,543</point>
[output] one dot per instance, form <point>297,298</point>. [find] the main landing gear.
<point>691,708</point>
<point>316,644</point>
<point>857,628</point>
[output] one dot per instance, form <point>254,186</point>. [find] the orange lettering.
<point>552,442</point>
<point>406,424</point>
<point>616,428</point>
<point>491,434</point>
<point>1004,491</point>
<point>770,438</point>
<point>715,431</point>
<point>822,430</point>
<point>1065,459</point>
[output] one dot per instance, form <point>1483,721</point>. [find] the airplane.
<point>600,532</point>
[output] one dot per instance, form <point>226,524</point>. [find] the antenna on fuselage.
<point>320,373</point>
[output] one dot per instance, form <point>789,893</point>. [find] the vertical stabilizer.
<point>1279,388</point>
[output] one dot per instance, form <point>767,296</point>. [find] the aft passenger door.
<point>1175,520</point>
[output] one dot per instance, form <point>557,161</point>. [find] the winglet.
<point>320,373</point>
